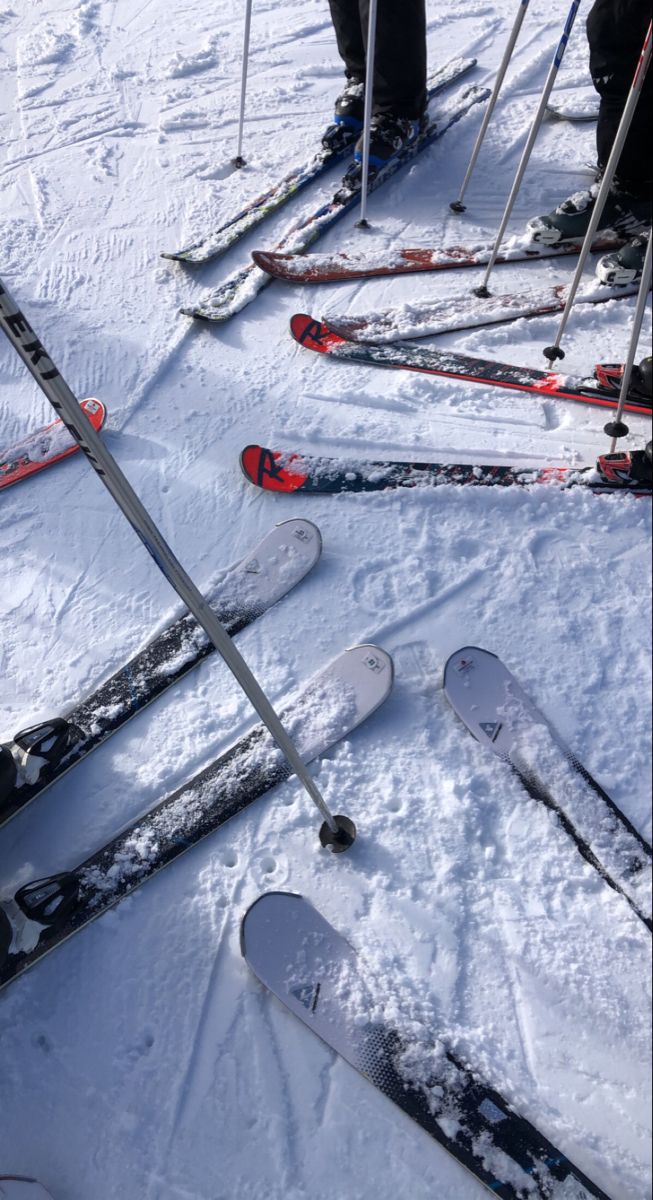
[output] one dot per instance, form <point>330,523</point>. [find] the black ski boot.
<point>348,117</point>
<point>623,214</point>
<point>389,135</point>
<point>624,266</point>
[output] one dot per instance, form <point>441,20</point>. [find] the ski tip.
<point>463,661</point>
<point>265,260</point>
<point>272,470</point>
<point>303,531</point>
<point>95,410</point>
<point>258,915</point>
<point>313,334</point>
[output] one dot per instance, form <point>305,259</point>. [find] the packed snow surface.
<point>142,1059</point>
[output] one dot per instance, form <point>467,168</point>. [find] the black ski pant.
<point>616,30</point>
<point>400,58</point>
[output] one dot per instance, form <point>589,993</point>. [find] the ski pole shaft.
<point>482,290</point>
<point>62,399</point>
<point>367,112</point>
<point>457,205</point>
<point>239,161</point>
<point>554,351</point>
<point>612,428</point>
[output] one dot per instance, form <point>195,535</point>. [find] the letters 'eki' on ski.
<point>317,335</point>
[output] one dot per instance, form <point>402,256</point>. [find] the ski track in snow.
<point>146,1056</point>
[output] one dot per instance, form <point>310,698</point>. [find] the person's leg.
<point>616,31</point>
<point>347,24</point>
<point>400,59</point>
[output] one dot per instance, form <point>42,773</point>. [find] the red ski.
<point>334,268</point>
<point>45,447</point>
<point>318,336</point>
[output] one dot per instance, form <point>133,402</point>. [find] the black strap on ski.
<point>49,900</point>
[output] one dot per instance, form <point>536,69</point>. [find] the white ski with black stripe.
<point>317,975</point>
<point>501,716</point>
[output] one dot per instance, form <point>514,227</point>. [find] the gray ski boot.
<point>620,267</point>
<point>623,213</point>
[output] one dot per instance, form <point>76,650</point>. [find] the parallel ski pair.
<point>316,973</point>
<point>43,914</point>
<point>289,472</point>
<point>221,239</point>
<point>46,446</point>
<point>317,335</point>
<point>38,756</point>
<point>237,291</point>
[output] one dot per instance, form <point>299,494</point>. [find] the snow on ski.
<point>501,716</point>
<point>428,318</point>
<point>340,266</point>
<point>317,335</point>
<point>316,973</point>
<point>226,235</point>
<point>36,757</point>
<point>45,447</point>
<point>289,472</point>
<point>244,285</point>
<point>42,915</point>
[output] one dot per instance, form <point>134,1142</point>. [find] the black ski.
<point>289,471</point>
<point>39,755</point>
<point>43,914</point>
<point>316,974</point>
<point>318,336</point>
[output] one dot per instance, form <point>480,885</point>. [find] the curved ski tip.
<point>262,468</point>
<point>96,412</point>
<point>384,661</point>
<point>463,660</point>
<point>259,912</point>
<point>304,530</point>
<point>314,334</point>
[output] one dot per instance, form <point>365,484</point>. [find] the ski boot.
<point>624,266</point>
<point>631,470</point>
<point>610,375</point>
<point>348,117</point>
<point>389,137</point>
<point>623,214</point>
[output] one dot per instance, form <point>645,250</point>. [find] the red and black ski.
<point>317,335</point>
<point>288,471</point>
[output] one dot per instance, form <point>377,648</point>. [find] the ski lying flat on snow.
<point>579,104</point>
<point>42,915</point>
<point>242,287</point>
<point>318,336</point>
<point>289,471</point>
<point>45,447</point>
<point>217,242</point>
<point>467,311</point>
<point>316,974</point>
<point>38,756</point>
<point>339,266</point>
<point>500,715</point>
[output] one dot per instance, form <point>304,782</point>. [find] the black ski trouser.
<point>400,58</point>
<point>616,30</point>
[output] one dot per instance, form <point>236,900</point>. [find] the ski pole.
<point>554,351</point>
<point>363,222</point>
<point>239,161</point>
<point>336,832</point>
<point>482,289</point>
<point>617,428</point>
<point>457,206</point>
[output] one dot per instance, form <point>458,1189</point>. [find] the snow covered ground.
<point>142,1060</point>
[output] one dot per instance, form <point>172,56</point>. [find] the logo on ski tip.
<point>491,729</point>
<point>374,663</point>
<point>464,664</point>
<point>308,995</point>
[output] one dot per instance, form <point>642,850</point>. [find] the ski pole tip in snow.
<point>341,838</point>
<point>553,352</point>
<point>457,206</point>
